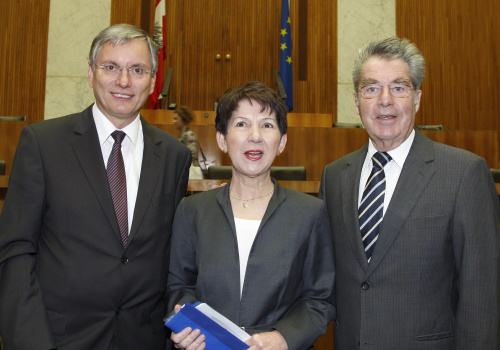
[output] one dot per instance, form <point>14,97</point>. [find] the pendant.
<point>245,204</point>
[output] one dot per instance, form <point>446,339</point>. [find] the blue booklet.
<point>220,333</point>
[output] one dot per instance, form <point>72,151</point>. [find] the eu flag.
<point>286,54</point>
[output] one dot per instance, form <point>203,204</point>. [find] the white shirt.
<point>246,230</point>
<point>392,169</point>
<point>132,152</point>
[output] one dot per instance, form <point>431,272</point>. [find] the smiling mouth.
<point>386,116</point>
<point>122,96</point>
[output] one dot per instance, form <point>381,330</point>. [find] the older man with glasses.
<point>415,223</point>
<point>85,228</point>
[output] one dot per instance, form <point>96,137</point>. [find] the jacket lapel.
<point>89,154</point>
<point>150,171</point>
<point>417,171</point>
<point>350,178</point>
<point>277,198</point>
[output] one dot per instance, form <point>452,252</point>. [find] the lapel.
<point>89,154</point>
<point>417,171</point>
<point>233,263</point>
<point>150,172</point>
<point>225,204</point>
<point>278,197</point>
<point>350,178</point>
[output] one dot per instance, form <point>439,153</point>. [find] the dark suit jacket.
<point>290,273</point>
<point>66,281</point>
<point>432,282</point>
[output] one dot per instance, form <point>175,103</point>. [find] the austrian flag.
<point>160,38</point>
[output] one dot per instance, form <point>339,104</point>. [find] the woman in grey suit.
<point>258,253</point>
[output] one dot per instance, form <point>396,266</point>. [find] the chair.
<point>496,175</point>
<point>21,118</point>
<point>346,125</point>
<point>219,172</point>
<point>280,173</point>
<point>430,127</point>
<point>289,173</point>
<point>2,167</point>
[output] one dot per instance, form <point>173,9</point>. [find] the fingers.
<point>177,308</point>
<point>188,339</point>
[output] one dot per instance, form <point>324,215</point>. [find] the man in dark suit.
<point>82,264</point>
<point>416,229</point>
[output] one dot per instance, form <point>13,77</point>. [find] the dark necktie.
<point>118,184</point>
<point>371,208</point>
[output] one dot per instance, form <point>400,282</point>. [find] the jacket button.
<point>118,311</point>
<point>125,260</point>
<point>365,286</point>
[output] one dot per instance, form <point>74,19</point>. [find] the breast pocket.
<point>425,222</point>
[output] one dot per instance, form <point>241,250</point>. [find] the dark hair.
<point>253,91</point>
<point>122,34</point>
<point>185,113</point>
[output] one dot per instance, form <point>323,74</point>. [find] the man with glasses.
<point>415,223</point>
<point>85,228</point>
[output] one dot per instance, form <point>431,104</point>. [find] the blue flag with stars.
<point>286,54</point>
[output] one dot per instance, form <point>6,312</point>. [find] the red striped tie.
<point>118,184</point>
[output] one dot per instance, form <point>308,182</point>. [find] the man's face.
<point>120,98</point>
<point>388,120</point>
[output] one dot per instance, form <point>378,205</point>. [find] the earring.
<point>278,153</point>
<point>225,150</point>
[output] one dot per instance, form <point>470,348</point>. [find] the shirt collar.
<point>398,154</point>
<point>105,127</point>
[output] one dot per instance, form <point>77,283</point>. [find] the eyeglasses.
<point>396,90</point>
<point>110,70</point>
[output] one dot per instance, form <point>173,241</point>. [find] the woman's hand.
<point>187,339</point>
<point>267,341</point>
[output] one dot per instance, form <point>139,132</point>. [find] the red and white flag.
<point>160,38</point>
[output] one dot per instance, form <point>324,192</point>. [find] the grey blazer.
<point>290,273</point>
<point>66,281</point>
<point>433,281</point>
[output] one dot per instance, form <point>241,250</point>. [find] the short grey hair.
<point>390,49</point>
<point>122,34</point>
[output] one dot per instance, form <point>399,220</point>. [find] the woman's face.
<point>252,141</point>
<point>179,125</point>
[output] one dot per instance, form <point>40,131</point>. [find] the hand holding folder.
<point>220,333</point>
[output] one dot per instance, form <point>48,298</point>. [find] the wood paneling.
<point>315,147</point>
<point>460,41</point>
<point>163,116</point>
<point>248,31</point>
<point>317,94</point>
<point>23,57</point>
<point>9,137</point>
<point>137,12</point>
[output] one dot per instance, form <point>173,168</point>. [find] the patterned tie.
<point>118,184</point>
<point>371,208</point>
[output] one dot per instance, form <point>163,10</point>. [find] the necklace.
<point>245,201</point>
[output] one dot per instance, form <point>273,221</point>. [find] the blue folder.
<point>216,336</point>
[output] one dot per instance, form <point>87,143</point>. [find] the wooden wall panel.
<point>198,30</point>
<point>165,116</point>
<point>317,94</point>
<point>23,57</point>
<point>460,40</point>
<point>137,12</point>
<point>314,147</point>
